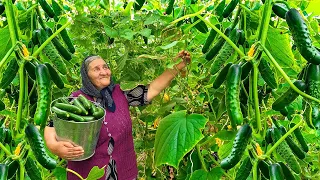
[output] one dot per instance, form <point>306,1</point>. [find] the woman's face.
<point>99,73</point>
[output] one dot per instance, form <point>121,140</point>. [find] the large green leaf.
<point>95,173</point>
<point>278,44</point>
<point>145,32</point>
<point>5,42</point>
<point>177,134</point>
<point>60,173</point>
<point>226,135</point>
<point>214,174</point>
<point>313,7</point>
<point>127,34</point>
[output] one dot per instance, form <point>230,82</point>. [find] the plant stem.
<point>21,169</point>
<point>75,173</point>
<point>216,163</point>
<point>255,96</point>
<point>235,47</point>
<point>30,9</point>
<point>5,149</point>
<point>192,15</point>
<point>274,62</point>
<point>255,168</point>
<point>21,94</point>
<point>193,24</point>
<point>201,158</point>
<point>248,10</point>
<point>11,21</point>
<point>264,23</point>
<point>12,105</point>
<point>210,102</point>
<point>283,138</point>
<point>5,58</point>
<point>250,99</point>
<point>40,18</point>
<point>208,141</point>
<point>35,54</point>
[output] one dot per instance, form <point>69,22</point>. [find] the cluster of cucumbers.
<point>80,109</point>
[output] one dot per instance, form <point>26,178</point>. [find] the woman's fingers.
<point>74,152</point>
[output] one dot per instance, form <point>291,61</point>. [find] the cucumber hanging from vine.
<point>300,138</point>
<point>210,39</point>
<point>285,152</point>
<point>50,51</point>
<point>233,95</point>
<point>37,146</point>
<point>221,76</point>
<point>289,96</point>
<point>200,26</point>
<point>44,95</point>
<point>170,7</point>
<point>301,36</point>
<point>224,54</point>
<point>267,74</point>
<point>217,46</point>
<point>313,89</point>
<point>238,147</point>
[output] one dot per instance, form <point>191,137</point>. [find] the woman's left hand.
<point>186,59</point>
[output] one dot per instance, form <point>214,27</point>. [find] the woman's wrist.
<point>180,66</point>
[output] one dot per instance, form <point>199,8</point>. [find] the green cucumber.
<point>32,169</point>
<point>55,77</point>
<point>285,152</point>
<point>85,102</point>
<point>313,89</point>
<point>233,95</point>
<point>44,95</point>
<point>50,51</point>
<point>98,113</point>
<point>239,146</point>
<point>210,39</point>
<point>289,96</point>
<point>62,114</point>
<point>280,9</point>
<point>200,26</point>
<point>77,102</point>
<point>224,54</point>
<point>77,118</point>
<point>275,172</point>
<point>286,171</point>
<point>4,171</point>
<point>217,46</point>
<point>229,8</point>
<point>59,47</point>
<point>221,76</point>
<point>300,138</point>
<point>244,170</point>
<point>301,36</point>
<point>293,146</point>
<point>264,168</point>
<point>38,148</point>
<point>69,108</point>
<point>267,73</point>
<point>47,8</point>
<point>246,68</point>
<point>66,39</point>
<point>170,7</point>
<point>31,69</point>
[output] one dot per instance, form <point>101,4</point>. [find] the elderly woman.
<point>115,149</point>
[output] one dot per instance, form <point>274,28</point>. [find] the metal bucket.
<point>85,134</point>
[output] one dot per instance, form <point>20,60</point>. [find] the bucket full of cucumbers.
<point>78,120</point>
